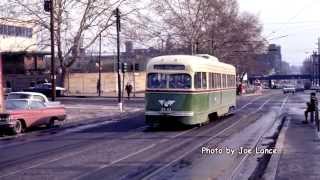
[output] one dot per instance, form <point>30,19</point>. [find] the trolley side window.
<point>231,81</point>
<point>197,80</point>
<point>216,81</point>
<point>204,80</point>
<point>210,80</point>
<point>224,81</point>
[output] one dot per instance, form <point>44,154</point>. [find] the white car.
<point>32,96</point>
<point>289,89</point>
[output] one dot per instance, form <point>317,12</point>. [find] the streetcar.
<point>188,89</point>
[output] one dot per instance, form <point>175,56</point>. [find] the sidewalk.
<point>138,94</point>
<point>299,152</point>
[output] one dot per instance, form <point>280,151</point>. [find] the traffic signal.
<point>124,67</point>
<point>47,5</point>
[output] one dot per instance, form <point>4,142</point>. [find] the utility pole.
<point>313,68</point>
<point>53,74</point>
<point>1,87</point>
<point>99,79</point>
<point>318,57</point>
<point>117,14</point>
<point>134,78</point>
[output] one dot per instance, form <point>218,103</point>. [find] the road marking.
<point>132,154</point>
<point>249,103</point>
<point>284,102</point>
<point>88,149</point>
<point>198,145</point>
<point>87,126</point>
<point>162,141</point>
<point>62,157</point>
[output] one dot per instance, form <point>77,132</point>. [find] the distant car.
<point>46,89</point>
<point>31,96</point>
<point>299,87</point>
<point>315,88</point>
<point>24,113</point>
<point>289,89</point>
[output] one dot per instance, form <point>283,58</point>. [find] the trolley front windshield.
<point>170,81</point>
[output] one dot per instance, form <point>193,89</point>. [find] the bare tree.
<point>78,24</point>
<point>206,26</point>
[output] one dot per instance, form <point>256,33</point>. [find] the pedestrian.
<point>98,86</point>
<point>308,110</point>
<point>129,89</point>
<point>311,108</point>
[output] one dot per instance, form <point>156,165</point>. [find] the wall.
<point>86,83</point>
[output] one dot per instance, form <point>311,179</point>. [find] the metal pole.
<point>123,76</point>
<point>318,56</point>
<point>134,78</point>
<point>312,59</point>
<point>117,12</point>
<point>99,80</point>
<point>2,106</point>
<point>53,76</point>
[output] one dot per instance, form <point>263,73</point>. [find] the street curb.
<point>271,142</point>
<point>272,165</point>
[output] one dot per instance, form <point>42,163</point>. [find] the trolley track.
<point>137,152</point>
<point>258,140</point>
<point>150,169</point>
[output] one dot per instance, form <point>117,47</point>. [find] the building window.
<point>15,31</point>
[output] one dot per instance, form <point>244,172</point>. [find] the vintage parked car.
<point>24,113</point>
<point>32,96</point>
<point>46,88</point>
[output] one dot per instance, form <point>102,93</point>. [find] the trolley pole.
<point>53,76</point>
<point>117,14</point>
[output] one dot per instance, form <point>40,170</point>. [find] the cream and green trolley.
<point>188,89</point>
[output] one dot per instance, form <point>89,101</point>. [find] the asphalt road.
<point>128,149</point>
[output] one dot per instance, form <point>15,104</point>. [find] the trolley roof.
<point>200,62</point>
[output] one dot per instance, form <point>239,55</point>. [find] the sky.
<point>292,24</point>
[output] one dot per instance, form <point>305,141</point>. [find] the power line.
<point>293,23</point>
<point>292,18</point>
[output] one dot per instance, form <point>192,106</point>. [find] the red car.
<point>24,113</point>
